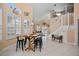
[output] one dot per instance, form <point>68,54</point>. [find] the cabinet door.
<point>71,19</point>
<point>71,36</point>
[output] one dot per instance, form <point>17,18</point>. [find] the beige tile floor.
<point>51,48</point>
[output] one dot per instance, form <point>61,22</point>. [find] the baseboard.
<point>72,44</point>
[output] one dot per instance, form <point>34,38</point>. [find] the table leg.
<point>29,47</point>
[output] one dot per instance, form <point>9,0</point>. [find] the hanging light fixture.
<point>58,13</point>
<point>26,13</point>
<point>16,11</point>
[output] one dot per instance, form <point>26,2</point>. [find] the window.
<point>10,26</point>
<point>26,26</point>
<point>18,25</point>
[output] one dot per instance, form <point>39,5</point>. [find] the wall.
<point>76,17</point>
<point>62,25</point>
<point>71,30</point>
<point>55,23</point>
<point>71,36</point>
<point>40,23</point>
<point>6,42</point>
<point>25,8</point>
<point>57,26</point>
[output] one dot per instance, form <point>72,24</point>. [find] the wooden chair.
<point>38,42</point>
<point>20,42</point>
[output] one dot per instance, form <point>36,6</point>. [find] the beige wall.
<point>40,23</point>
<point>71,33</point>
<point>55,23</point>
<point>76,17</point>
<point>71,30</point>
<point>71,36</point>
<point>5,42</point>
<point>60,25</point>
<point>25,8</point>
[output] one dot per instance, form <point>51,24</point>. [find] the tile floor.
<point>51,48</point>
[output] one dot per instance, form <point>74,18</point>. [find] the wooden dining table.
<point>30,38</point>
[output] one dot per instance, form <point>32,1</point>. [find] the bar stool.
<point>20,42</point>
<point>38,42</point>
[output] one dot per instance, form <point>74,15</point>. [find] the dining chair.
<point>20,43</point>
<point>38,43</point>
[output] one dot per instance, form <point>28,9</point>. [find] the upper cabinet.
<point>71,19</point>
<point>70,8</point>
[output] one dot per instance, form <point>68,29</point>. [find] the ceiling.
<point>41,10</point>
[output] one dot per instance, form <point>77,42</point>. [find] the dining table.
<point>31,39</point>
